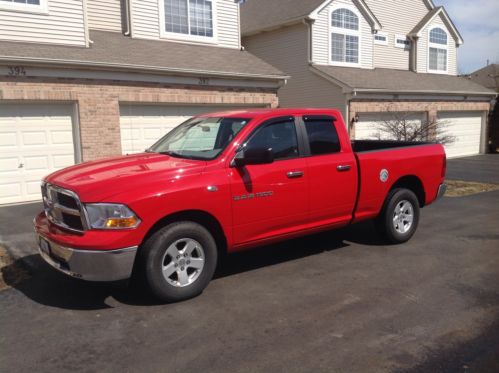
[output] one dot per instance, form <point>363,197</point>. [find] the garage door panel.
<point>35,140</point>
<point>9,192</point>
<point>62,138</point>
<point>8,139</point>
<point>465,127</point>
<point>142,125</point>
<point>36,163</point>
<point>9,165</point>
<point>368,126</point>
<point>33,188</point>
<point>63,160</point>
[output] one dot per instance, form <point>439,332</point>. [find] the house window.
<point>344,37</point>
<point>381,38</point>
<point>24,5</point>
<point>189,17</point>
<point>437,50</point>
<point>402,41</point>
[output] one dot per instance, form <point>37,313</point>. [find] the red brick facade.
<point>98,103</point>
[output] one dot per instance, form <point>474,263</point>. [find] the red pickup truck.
<point>224,182</point>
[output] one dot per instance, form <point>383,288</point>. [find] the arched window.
<point>437,50</point>
<point>344,37</point>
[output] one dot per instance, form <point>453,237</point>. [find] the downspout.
<point>128,30</point>
<point>85,24</point>
<point>414,54</point>
<point>308,22</point>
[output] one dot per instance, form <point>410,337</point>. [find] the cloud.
<point>477,21</point>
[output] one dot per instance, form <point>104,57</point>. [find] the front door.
<point>270,199</point>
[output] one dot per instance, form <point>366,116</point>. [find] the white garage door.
<point>367,128</point>
<point>35,140</point>
<point>143,125</point>
<point>466,128</point>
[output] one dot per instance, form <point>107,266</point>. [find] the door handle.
<point>343,167</point>
<point>294,174</point>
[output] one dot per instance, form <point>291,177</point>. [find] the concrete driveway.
<point>339,301</point>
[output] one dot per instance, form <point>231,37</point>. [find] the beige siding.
<point>422,52</point>
<point>146,21</point>
<point>286,49</point>
<point>321,38</point>
<point>105,15</point>
<point>398,17</point>
<point>228,24</point>
<point>62,24</point>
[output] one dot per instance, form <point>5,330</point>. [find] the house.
<point>84,79</point>
<point>372,59</point>
<point>488,77</point>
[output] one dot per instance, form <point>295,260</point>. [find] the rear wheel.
<point>399,218</point>
<point>179,261</point>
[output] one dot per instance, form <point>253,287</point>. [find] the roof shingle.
<point>403,81</point>
<point>115,51</point>
<point>261,14</point>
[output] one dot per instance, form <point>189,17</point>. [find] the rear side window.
<point>322,135</point>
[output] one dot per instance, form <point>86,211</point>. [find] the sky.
<point>478,23</point>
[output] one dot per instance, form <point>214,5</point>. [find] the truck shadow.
<point>51,288</point>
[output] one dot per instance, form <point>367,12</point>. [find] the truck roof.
<point>258,112</point>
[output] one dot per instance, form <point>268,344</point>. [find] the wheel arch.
<point>201,217</point>
<point>414,184</point>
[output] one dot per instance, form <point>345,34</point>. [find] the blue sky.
<point>478,23</point>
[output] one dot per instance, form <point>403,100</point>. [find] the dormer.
<point>342,34</point>
<point>436,39</point>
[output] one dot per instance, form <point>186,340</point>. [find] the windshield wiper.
<point>172,153</point>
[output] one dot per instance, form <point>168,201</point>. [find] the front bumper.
<point>112,265</point>
<point>441,191</point>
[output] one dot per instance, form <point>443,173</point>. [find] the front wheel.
<point>399,218</point>
<point>179,261</point>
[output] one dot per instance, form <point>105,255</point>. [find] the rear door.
<point>270,199</point>
<point>332,172</point>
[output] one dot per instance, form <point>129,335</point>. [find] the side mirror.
<point>253,156</point>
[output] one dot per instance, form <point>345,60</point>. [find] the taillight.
<point>444,167</point>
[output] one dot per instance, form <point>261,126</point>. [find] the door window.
<point>278,136</point>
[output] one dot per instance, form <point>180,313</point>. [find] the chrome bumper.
<point>441,191</point>
<point>113,265</point>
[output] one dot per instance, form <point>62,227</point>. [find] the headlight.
<point>111,216</point>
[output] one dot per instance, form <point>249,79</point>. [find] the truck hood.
<point>98,181</point>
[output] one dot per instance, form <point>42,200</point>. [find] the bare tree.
<point>403,126</point>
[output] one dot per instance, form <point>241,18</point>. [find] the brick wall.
<point>98,103</point>
<point>431,108</point>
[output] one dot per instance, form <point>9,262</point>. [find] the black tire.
<point>394,232</point>
<point>154,253</point>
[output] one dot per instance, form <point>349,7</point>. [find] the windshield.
<point>200,138</point>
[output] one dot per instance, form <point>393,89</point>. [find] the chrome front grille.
<point>63,207</point>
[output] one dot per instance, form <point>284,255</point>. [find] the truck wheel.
<point>400,216</point>
<point>179,261</point>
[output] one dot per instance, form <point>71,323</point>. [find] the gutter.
<point>142,68</point>
<point>451,93</point>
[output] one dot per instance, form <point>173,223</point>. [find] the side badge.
<point>383,175</point>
